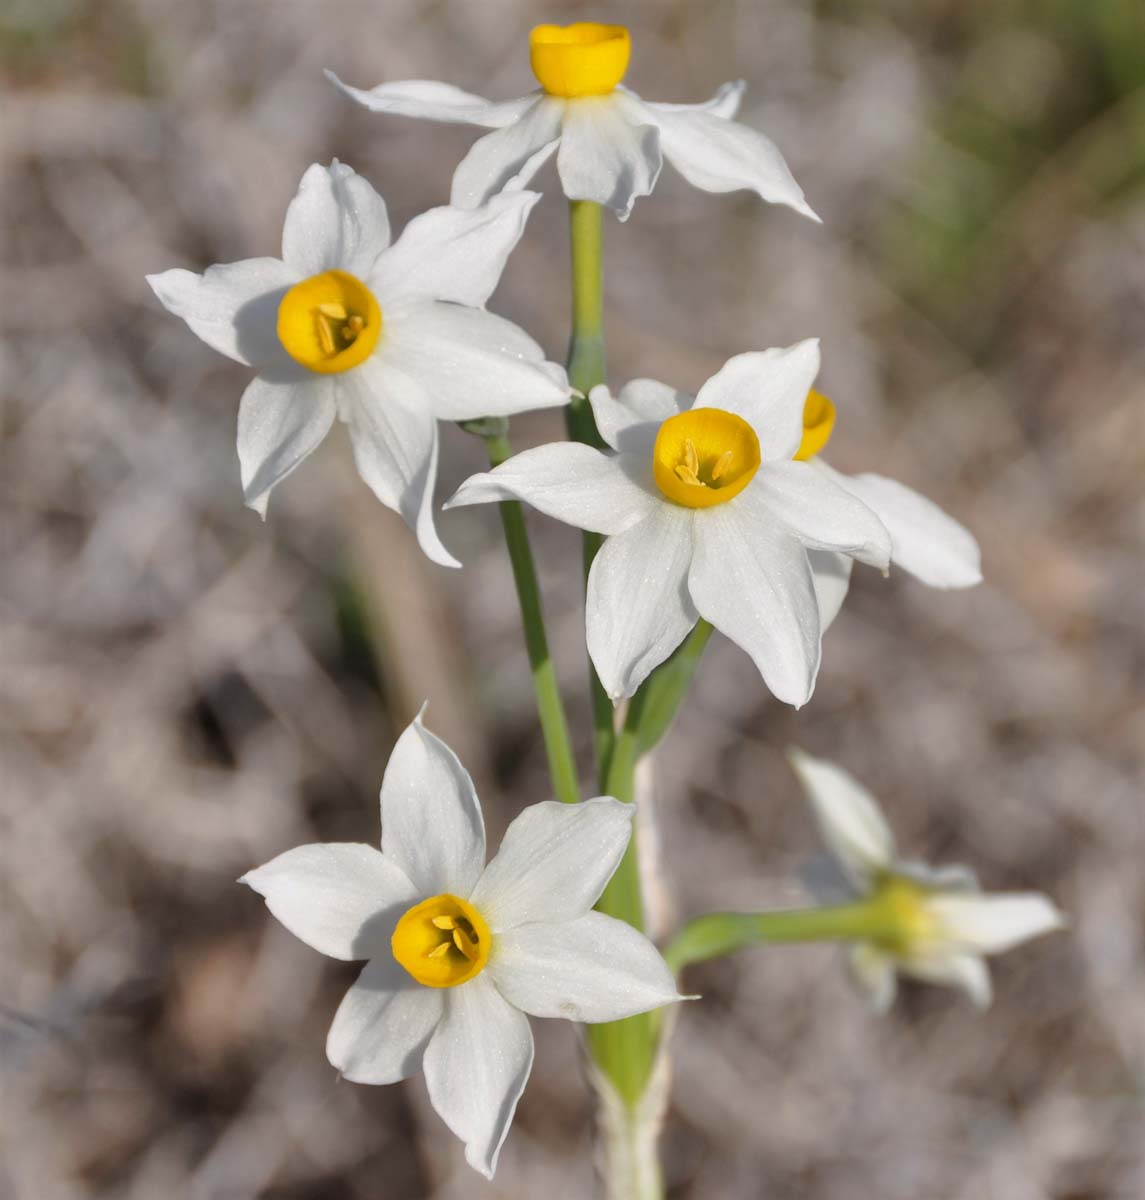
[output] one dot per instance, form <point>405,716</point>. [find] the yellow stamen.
<point>818,423</point>
<point>584,59</point>
<point>723,465</point>
<point>704,457</point>
<point>330,322</point>
<point>441,942</point>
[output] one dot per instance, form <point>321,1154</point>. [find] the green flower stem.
<point>664,690</point>
<point>586,346</point>
<point>550,708</point>
<point>586,368</point>
<point>717,934</point>
<point>625,1050</point>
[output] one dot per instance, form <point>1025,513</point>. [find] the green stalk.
<point>550,708</point>
<point>717,934</point>
<point>664,690</point>
<point>586,369</point>
<point>586,346</point>
<point>625,1050</point>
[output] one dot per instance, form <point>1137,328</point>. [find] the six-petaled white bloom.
<point>707,512</point>
<point>460,951</point>
<point>939,925</point>
<point>925,541</point>
<point>609,143</point>
<point>388,338</point>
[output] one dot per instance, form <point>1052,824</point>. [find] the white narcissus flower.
<point>387,338</point>
<point>925,541</point>
<point>706,513</point>
<point>609,143</point>
<point>459,951</point>
<point>943,924</point>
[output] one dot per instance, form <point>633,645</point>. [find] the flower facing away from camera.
<point>925,541</point>
<point>707,513</point>
<point>388,338</point>
<point>935,924</point>
<point>459,951</point>
<point>609,143</point>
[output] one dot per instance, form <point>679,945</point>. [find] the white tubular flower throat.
<point>938,926</point>
<point>459,951</point>
<point>389,338</point>
<point>609,143</point>
<point>708,511</point>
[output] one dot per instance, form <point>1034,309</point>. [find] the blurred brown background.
<point>185,692</point>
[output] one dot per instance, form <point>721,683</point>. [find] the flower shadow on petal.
<point>635,457</point>
<point>373,939</point>
<point>256,330</point>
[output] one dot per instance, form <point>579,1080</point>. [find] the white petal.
<point>471,363</point>
<point>453,254</point>
<point>553,862</point>
<point>341,898</point>
<point>768,389</point>
<point>752,581</point>
<point>606,157</point>
<point>952,877</point>
<point>850,821</point>
<point>394,437</point>
<point>873,972</point>
<point>433,101</point>
<point>336,222</point>
<point>725,102</point>
<point>233,307</point>
<point>822,518</point>
<point>595,968</point>
<point>280,423</point>
<point>991,924</point>
<point>508,157</point>
<point>431,820</point>
<point>383,1024</point>
<point>571,482</point>
<point>720,155</point>
<point>476,1067</point>
<point>967,972</point>
<point>924,540</point>
<point>637,607</point>
<point>631,420</point>
<point>832,575</point>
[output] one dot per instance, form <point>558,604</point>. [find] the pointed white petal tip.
<point>258,504</point>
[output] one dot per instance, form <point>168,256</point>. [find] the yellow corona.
<point>818,424</point>
<point>704,457</point>
<point>584,59</point>
<point>441,942</point>
<point>329,322</point>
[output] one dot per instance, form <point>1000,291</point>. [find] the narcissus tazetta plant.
<point>460,951</point>
<point>708,510</point>
<point>388,338</point>
<point>609,143</point>
<point>934,922</point>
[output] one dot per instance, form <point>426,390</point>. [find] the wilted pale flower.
<point>707,513</point>
<point>609,143</point>
<point>460,951</point>
<point>942,923</point>
<point>388,338</point>
<point>925,541</point>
